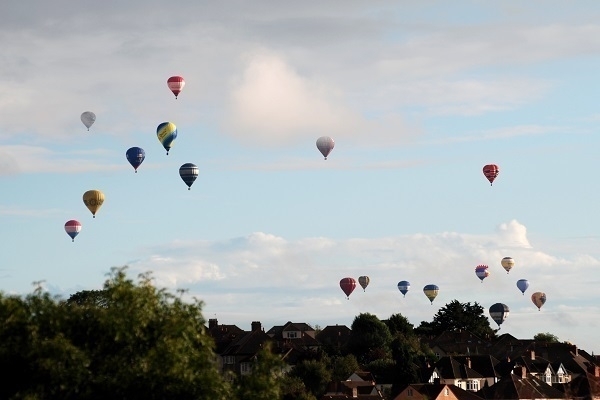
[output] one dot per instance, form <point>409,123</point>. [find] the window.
<point>548,378</point>
<point>473,385</point>
<point>409,392</point>
<point>245,368</point>
<point>292,335</point>
<point>229,360</point>
<point>446,391</point>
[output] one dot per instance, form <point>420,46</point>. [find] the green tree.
<point>342,367</point>
<point>398,323</point>
<point>141,343</point>
<point>546,338</point>
<point>456,316</point>
<point>294,389</point>
<point>315,374</point>
<point>264,381</point>
<point>370,339</point>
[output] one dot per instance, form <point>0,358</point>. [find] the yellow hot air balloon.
<point>93,200</point>
<point>507,263</point>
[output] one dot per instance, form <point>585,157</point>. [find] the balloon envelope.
<point>499,312</point>
<point>431,291</point>
<point>363,281</point>
<point>325,144</point>
<point>523,284</point>
<point>72,227</point>
<point>188,172</point>
<point>507,263</point>
<point>348,285</point>
<point>135,156</point>
<point>88,118</point>
<point>176,84</point>
<point>482,272</point>
<point>491,171</point>
<point>403,287</point>
<point>539,299</point>
<point>166,133</point>
<point>93,200</point>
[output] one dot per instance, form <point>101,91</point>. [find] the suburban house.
<point>359,385</point>
<point>470,373</point>
<point>435,391</point>
<point>521,385</point>
<point>239,356</point>
<point>460,342</point>
<point>334,337</point>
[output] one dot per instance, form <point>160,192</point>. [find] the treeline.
<point>131,340</point>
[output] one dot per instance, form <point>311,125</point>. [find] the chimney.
<point>523,372</point>
<point>212,323</point>
<point>532,354</point>
<point>468,361</point>
<point>596,371</point>
<point>256,326</point>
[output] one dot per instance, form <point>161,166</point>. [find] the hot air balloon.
<point>166,132</point>
<point>93,200</point>
<point>325,145</point>
<point>523,284</point>
<point>538,298</point>
<point>403,287</point>
<point>188,172</point>
<point>364,282</point>
<point>135,156</point>
<point>348,285</point>
<point>176,84</point>
<point>507,263</point>
<point>482,272</point>
<point>88,118</point>
<point>72,227</point>
<point>431,291</point>
<point>491,171</point>
<point>499,312</point>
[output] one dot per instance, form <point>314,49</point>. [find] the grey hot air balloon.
<point>325,144</point>
<point>88,118</point>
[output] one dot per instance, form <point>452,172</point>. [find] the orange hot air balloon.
<point>491,171</point>
<point>539,299</point>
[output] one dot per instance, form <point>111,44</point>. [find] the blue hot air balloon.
<point>189,173</point>
<point>135,156</point>
<point>403,287</point>
<point>523,284</point>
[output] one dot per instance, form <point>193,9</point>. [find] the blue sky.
<point>418,97</point>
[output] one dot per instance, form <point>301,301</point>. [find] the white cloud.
<point>244,277</point>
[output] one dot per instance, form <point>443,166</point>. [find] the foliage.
<point>342,367</point>
<point>315,374</point>
<point>294,389</point>
<point>398,323</point>
<point>142,343</point>
<point>456,316</point>
<point>264,382</point>
<point>546,338</point>
<point>370,338</point>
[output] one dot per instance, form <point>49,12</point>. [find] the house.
<point>359,385</point>
<point>239,356</point>
<point>334,337</point>
<point>520,385</point>
<point>460,342</point>
<point>435,391</point>
<point>466,372</point>
<point>223,336</point>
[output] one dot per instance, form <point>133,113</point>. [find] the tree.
<point>141,343</point>
<point>315,374</point>
<point>398,323</point>
<point>546,338</point>
<point>370,339</point>
<point>342,367</point>
<point>456,316</point>
<point>264,381</point>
